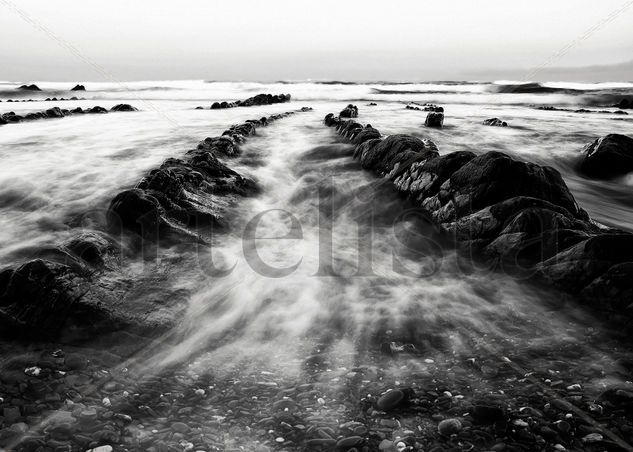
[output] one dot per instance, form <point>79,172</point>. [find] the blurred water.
<point>358,273</point>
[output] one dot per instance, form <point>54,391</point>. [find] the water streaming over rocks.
<point>329,313</point>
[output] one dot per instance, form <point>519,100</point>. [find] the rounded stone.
<point>390,400</point>
<point>449,427</point>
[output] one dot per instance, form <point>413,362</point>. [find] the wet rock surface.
<point>56,112</point>
<point>511,213</point>
<point>608,157</point>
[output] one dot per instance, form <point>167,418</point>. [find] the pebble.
<point>592,438</point>
<point>349,442</point>
<point>449,427</point>
<point>390,400</point>
<point>101,449</point>
<point>180,427</point>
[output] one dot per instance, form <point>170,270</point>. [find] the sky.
<point>263,40</point>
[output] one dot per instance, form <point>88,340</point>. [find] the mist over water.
<point>326,260</point>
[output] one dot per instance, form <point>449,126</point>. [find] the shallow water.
<point>326,258</point>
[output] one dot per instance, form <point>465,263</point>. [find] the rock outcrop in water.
<point>496,122</point>
<point>514,213</point>
<point>259,99</point>
<point>184,194</point>
<point>80,291</point>
<point>32,87</point>
<point>425,107</point>
<point>434,119</point>
<point>351,111</point>
<point>608,157</point>
<point>56,112</point>
<point>78,88</point>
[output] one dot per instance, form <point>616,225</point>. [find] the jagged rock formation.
<point>57,112</point>
<point>495,122</point>
<point>434,119</point>
<point>78,88</point>
<point>608,157</point>
<point>351,111</point>
<point>514,213</point>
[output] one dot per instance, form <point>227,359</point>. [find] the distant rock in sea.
<point>78,88</point>
<point>31,87</point>
<point>495,122</point>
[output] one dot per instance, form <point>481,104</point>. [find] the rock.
<point>78,88</point>
<point>180,427</point>
<point>391,400</point>
<point>31,87</point>
<point>495,122</point>
<point>123,107</point>
<point>93,247</point>
<point>449,427</point>
<point>608,157</point>
<point>105,448</point>
<point>54,112</point>
<point>485,414</point>
<point>434,119</point>
<point>264,99</point>
<point>97,109</point>
<point>592,438</point>
<point>624,104</point>
<point>345,444</point>
<point>135,210</point>
<point>351,111</point>
<point>383,156</point>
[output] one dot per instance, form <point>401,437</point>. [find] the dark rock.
<point>224,145</point>
<point>495,122</point>
<point>135,210</point>
<point>78,88</point>
<point>31,87</point>
<point>391,400</point>
<point>123,107</point>
<point>345,444</point>
<point>264,99</point>
<point>96,109</point>
<point>54,112</point>
<point>624,104</point>
<point>351,111</point>
<point>485,414</point>
<point>383,156</point>
<point>93,247</point>
<point>434,119</point>
<point>608,157</point>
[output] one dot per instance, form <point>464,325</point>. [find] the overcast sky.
<point>296,39</point>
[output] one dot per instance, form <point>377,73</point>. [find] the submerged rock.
<point>608,157</point>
